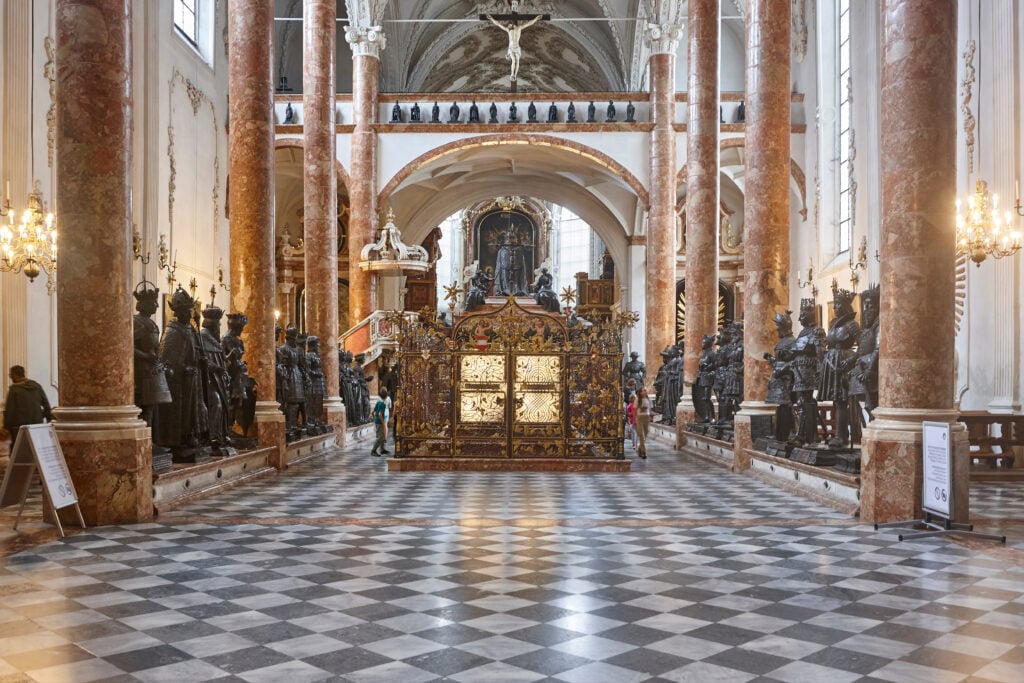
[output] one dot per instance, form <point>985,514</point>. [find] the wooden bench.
<point>989,443</point>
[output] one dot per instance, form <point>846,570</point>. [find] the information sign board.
<point>937,496</point>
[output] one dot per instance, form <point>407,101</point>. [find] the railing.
<point>372,335</point>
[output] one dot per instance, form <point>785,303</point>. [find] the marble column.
<point>320,192</point>
<point>918,174</point>
<point>107,447</point>
<point>366,44</point>
<point>661,216</point>
<point>766,209</point>
<point>251,197</point>
<point>702,135</point>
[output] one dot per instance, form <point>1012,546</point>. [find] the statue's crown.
<point>842,296</point>
<point>312,340</point>
<point>238,318</point>
<point>806,304</point>
<point>213,313</point>
<point>146,291</point>
<point>872,294</point>
<point>181,299</point>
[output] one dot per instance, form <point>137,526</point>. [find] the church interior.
<point>687,333</point>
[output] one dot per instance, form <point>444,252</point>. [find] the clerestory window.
<point>845,129</point>
<point>186,20</point>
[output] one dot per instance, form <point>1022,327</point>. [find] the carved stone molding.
<point>966,93</point>
<point>198,100</point>
<point>50,73</point>
<point>799,29</point>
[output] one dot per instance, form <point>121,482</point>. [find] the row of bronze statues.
<point>301,385</point>
<point>455,113</point>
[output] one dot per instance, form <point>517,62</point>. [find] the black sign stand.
<point>37,449</point>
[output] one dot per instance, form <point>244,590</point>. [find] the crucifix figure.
<point>510,24</point>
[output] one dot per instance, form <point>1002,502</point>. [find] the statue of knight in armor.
<point>673,386</point>
<point>362,387</point>
<point>659,379</point>
<point>345,381</point>
<point>217,380</point>
<point>317,383</point>
<point>780,383</point>
<point>864,375</point>
<point>291,387</point>
<point>150,383</point>
<point>840,358</point>
<point>808,350</point>
<point>182,422</point>
<point>702,401</point>
<point>731,363</point>
<point>635,370</point>
<point>242,387</point>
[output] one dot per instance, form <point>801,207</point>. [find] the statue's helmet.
<point>237,319</point>
<point>212,314</point>
<point>146,291</point>
<point>291,333</point>
<point>181,300</point>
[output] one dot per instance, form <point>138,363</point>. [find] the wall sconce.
<point>860,264</point>
<point>809,282</point>
<point>220,276</point>
<point>137,246</point>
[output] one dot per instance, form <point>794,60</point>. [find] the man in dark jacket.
<point>26,403</point>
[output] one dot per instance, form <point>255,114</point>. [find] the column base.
<point>685,414</point>
<point>891,465</point>
<point>270,432</point>
<point>335,411</point>
<point>754,419</point>
<point>109,453</point>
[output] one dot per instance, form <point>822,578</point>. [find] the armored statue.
<point>513,113</point>
<point>543,294</point>
<point>702,399</point>
<point>610,113</point>
<point>839,360</point>
<point>300,346</point>
<point>635,370</point>
<point>182,422</point>
<point>570,113</point>
<point>317,382</point>
<point>414,113</point>
<point>150,382</point>
<point>454,113</point>
<point>291,387</point>
<point>722,340</point>
<point>242,387</point>
<point>673,386</point>
<point>780,383</point>
<point>552,113</point>
<point>396,113</point>
<point>659,379</point>
<point>480,286</point>
<point>216,379</point>
<point>808,350</point>
<point>345,381</point>
<point>362,387</point>
<point>435,114</point>
<point>731,359</point>
<point>474,113</point>
<point>864,375</point>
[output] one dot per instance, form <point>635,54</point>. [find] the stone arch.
<point>281,143</point>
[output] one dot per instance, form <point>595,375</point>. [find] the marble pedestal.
<point>270,431</point>
<point>335,411</point>
<point>753,421</point>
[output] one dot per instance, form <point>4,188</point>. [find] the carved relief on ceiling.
<point>551,62</point>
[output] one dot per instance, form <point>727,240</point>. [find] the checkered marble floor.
<point>679,571</point>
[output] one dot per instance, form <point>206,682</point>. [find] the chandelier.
<point>982,231</point>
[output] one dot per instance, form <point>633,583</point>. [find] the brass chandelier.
<point>982,231</point>
<point>31,246</point>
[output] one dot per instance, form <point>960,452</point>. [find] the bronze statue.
<point>531,113</point>
<point>345,381</point>
<point>552,113</point>
<point>216,380</point>
<point>481,285</point>
<point>570,113</point>
<point>493,113</point>
<point>474,113</point>
<point>543,294</point>
<point>673,386</point>
<point>630,113</point>
<point>181,423</point>
<point>864,374</point>
<point>780,383</point>
<point>291,385</point>
<point>435,114</point>
<point>150,383</point>
<point>317,382</point>
<point>513,113</point>
<point>289,115</point>
<point>396,113</point>
<point>510,268</point>
<point>730,359</point>
<point>454,113</point>
<point>701,392</point>
<point>610,113</point>
<point>591,112</point>
<point>808,350</point>
<point>242,387</point>
<point>414,113</point>
<point>839,360</point>
<point>362,386</point>
<point>635,369</point>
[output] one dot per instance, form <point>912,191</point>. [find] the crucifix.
<point>510,24</point>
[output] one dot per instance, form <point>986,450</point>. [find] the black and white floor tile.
<point>679,571</point>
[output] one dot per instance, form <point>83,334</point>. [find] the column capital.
<point>365,40</point>
<point>663,38</point>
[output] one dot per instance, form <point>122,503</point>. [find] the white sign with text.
<point>937,496</point>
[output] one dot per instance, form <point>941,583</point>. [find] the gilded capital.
<point>365,40</point>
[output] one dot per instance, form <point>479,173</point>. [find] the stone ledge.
<point>187,483</point>
<point>707,448</point>
<point>824,485</point>
<point>421,464</point>
<point>309,447</point>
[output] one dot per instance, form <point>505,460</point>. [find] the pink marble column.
<point>363,187</point>
<point>107,448</point>
<point>320,194</point>
<point>701,196</point>
<point>918,166</point>
<point>251,197</point>
<point>661,218</point>
<point>766,208</point>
